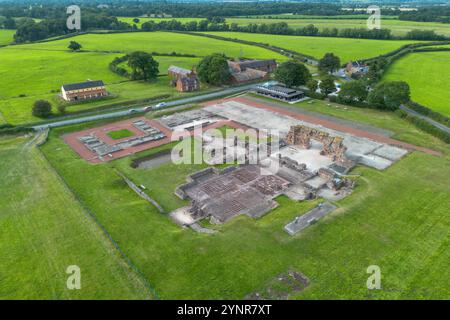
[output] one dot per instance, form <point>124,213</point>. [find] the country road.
<point>115,114</point>
<point>421,116</point>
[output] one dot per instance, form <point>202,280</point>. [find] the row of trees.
<point>427,14</point>
<point>44,9</point>
<point>281,28</point>
<point>30,30</point>
<point>7,23</point>
<point>386,95</point>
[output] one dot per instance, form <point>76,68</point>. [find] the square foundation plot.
<point>374,161</point>
<point>390,152</point>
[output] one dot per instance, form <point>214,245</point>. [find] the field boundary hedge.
<point>424,125</point>
<point>282,51</point>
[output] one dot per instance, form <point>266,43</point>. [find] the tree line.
<point>45,9</point>
<point>427,14</point>
<point>282,28</point>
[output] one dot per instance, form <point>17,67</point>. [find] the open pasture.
<point>44,229</point>
<point>6,36</point>
<point>346,49</point>
<point>161,42</point>
<point>428,75</point>
<point>43,72</point>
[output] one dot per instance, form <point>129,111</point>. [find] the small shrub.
<point>42,109</point>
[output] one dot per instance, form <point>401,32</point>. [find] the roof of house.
<point>248,75</point>
<point>280,90</point>
<point>255,64</point>
<point>188,80</point>
<point>179,70</point>
<point>83,85</point>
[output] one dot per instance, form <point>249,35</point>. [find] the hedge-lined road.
<point>430,121</point>
<point>116,114</point>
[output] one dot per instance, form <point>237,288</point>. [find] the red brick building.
<point>83,90</point>
<point>183,80</point>
<point>262,65</point>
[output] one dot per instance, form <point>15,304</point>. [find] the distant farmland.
<point>346,49</point>
<point>428,74</point>
<point>398,27</point>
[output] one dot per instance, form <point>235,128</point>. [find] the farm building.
<point>280,92</point>
<point>83,90</point>
<point>251,70</point>
<point>183,80</point>
<point>262,65</point>
<point>248,75</point>
<point>188,84</point>
<point>177,72</point>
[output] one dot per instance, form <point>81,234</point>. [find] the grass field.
<point>6,36</point>
<point>44,230</point>
<point>41,76</point>
<point>380,223</point>
<point>346,49</point>
<point>44,67</point>
<point>161,42</point>
<point>120,134</point>
<point>428,74</point>
<point>397,27</point>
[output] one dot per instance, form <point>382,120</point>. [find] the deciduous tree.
<point>214,70</point>
<point>292,73</point>
<point>329,63</point>
<point>42,109</point>
<point>143,66</point>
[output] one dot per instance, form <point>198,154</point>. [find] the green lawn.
<point>161,42</point>
<point>44,229</point>
<point>6,36</point>
<point>428,75</point>
<point>397,219</point>
<point>120,134</point>
<point>346,49</point>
